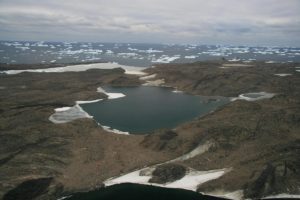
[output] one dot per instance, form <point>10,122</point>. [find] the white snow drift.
<point>282,75</point>
<point>68,114</point>
<point>82,67</point>
<point>190,181</point>
<point>110,95</point>
<point>254,96</point>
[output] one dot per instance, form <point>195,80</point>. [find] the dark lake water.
<point>140,192</point>
<point>145,109</point>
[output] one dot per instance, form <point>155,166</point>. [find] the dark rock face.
<point>28,190</point>
<point>167,173</point>
<point>276,177</point>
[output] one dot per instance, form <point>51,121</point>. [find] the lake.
<point>145,109</point>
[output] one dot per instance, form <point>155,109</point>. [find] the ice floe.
<point>150,51</point>
<point>83,67</point>
<point>177,91</point>
<point>190,57</point>
<point>254,96</point>
<point>166,59</point>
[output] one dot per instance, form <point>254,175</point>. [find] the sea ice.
<point>190,57</point>
<point>166,59</point>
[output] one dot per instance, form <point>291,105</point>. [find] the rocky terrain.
<point>258,140</point>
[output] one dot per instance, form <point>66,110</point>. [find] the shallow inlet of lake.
<point>140,192</point>
<point>145,109</point>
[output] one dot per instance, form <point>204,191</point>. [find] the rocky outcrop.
<point>28,190</point>
<point>213,79</point>
<point>167,173</point>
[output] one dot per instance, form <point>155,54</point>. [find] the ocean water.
<point>143,55</point>
<point>145,109</point>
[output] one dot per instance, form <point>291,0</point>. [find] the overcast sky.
<point>254,22</point>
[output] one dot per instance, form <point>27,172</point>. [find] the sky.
<point>236,22</point>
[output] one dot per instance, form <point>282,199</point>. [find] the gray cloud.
<point>263,22</point>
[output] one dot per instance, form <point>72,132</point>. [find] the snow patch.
<point>254,96</point>
<point>197,151</point>
<point>148,77</point>
<point>282,75</point>
<point>283,195</point>
<point>236,195</point>
<point>194,178</point>
<point>92,101</point>
<point>109,129</point>
<point>110,95</point>
<point>190,181</point>
<point>236,65</point>
<point>62,109</point>
<point>83,67</point>
<point>68,114</point>
<point>157,82</point>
